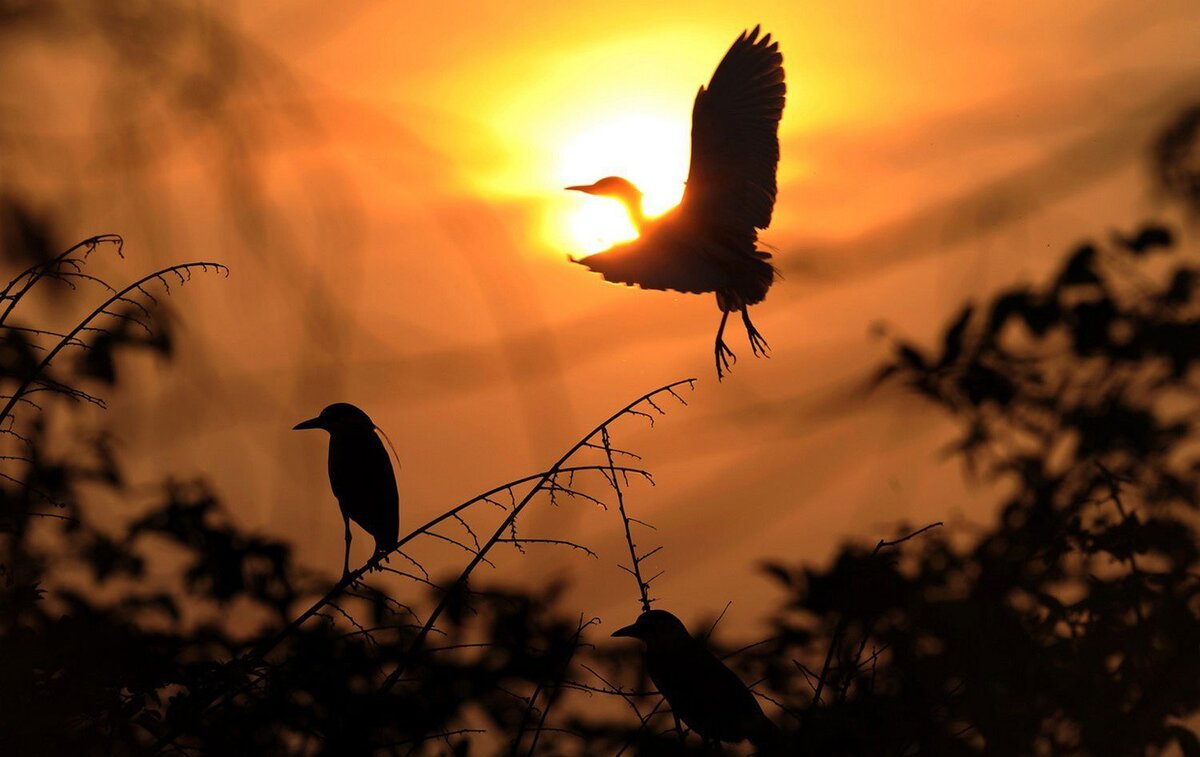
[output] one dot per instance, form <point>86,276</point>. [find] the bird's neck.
<point>633,206</point>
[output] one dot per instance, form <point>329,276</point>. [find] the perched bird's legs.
<point>346,558</point>
<point>757,343</point>
<point>721,350</point>
<point>381,556</point>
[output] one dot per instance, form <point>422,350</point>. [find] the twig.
<point>636,571</point>
<point>836,639</point>
<point>550,697</point>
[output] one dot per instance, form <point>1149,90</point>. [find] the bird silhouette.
<point>360,474</point>
<point>703,693</point>
<point>707,243</point>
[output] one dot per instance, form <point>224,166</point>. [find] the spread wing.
<point>735,141</point>
<point>660,260</point>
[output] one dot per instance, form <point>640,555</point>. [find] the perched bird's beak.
<point>585,188</point>
<point>626,631</point>
<point>310,423</point>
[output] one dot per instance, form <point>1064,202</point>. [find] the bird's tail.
<point>767,738</point>
<point>750,283</point>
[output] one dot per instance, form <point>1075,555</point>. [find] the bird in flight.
<point>707,243</point>
<point>360,474</point>
<point>703,693</point>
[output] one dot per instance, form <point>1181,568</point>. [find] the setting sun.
<point>650,151</point>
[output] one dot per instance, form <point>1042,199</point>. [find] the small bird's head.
<point>338,418</point>
<point>611,186</point>
<point>656,627</point>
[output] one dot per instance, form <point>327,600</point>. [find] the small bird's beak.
<point>310,423</point>
<point>585,188</point>
<point>626,631</point>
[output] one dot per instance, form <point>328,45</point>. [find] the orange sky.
<point>402,246</point>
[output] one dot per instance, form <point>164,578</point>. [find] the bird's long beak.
<point>585,188</point>
<point>310,423</point>
<point>626,631</point>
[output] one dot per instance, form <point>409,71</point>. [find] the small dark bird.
<point>707,243</point>
<point>703,693</point>
<point>360,474</point>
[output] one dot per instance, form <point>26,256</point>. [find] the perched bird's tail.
<point>766,737</point>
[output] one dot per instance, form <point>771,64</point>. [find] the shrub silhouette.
<point>1069,626</point>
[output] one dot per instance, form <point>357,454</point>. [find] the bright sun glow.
<point>650,151</point>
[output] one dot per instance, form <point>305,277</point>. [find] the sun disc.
<point>649,150</point>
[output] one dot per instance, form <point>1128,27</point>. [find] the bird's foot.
<point>377,561</point>
<point>758,343</point>
<point>723,355</point>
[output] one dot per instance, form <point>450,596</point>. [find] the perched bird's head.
<point>337,418</point>
<point>656,627</point>
<point>611,186</point>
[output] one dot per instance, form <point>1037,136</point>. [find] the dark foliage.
<point>1068,625</point>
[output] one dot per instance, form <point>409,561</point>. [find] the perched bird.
<point>707,243</point>
<point>360,474</point>
<point>707,696</point>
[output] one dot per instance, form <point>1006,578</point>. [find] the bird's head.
<point>611,186</point>
<point>656,627</point>
<point>337,418</point>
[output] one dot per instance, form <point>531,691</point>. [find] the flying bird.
<point>703,693</point>
<point>708,242</point>
<point>360,474</point>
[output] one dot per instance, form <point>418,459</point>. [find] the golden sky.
<point>403,243</point>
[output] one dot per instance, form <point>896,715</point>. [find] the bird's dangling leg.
<point>721,350</point>
<point>758,344</point>
<point>346,557</point>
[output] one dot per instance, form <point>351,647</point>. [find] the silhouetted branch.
<point>556,469</point>
<point>461,545</point>
<point>556,684</point>
<point>713,627</point>
<point>519,543</point>
<point>636,561</point>
<point>34,273</point>
<point>885,543</point>
<point>179,270</point>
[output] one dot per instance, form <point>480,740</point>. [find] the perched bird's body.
<point>703,693</point>
<point>360,474</point>
<point>708,243</point>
